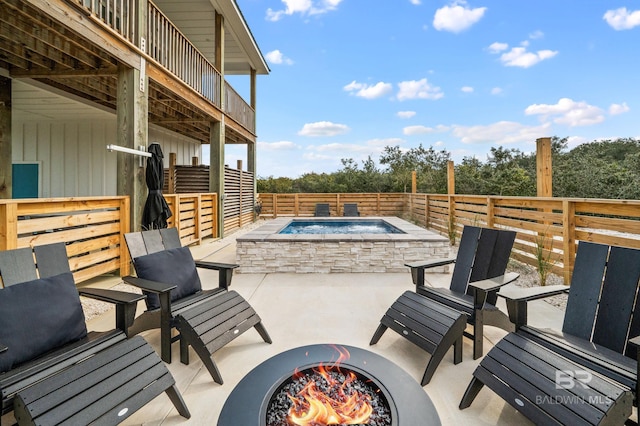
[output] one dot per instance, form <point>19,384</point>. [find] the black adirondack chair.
<point>350,209</point>
<point>52,370</point>
<point>322,210</point>
<point>600,328</point>
<point>478,274</point>
<point>206,319</point>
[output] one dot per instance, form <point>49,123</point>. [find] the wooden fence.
<point>556,224</point>
<point>239,202</point>
<point>92,227</point>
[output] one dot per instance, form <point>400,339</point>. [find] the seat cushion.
<point>173,266</point>
<point>37,317</point>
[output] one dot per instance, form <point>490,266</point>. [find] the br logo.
<point>568,379</point>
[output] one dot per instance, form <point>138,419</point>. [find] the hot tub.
<point>267,250</point>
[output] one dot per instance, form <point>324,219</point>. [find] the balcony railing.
<point>171,49</point>
<point>238,109</point>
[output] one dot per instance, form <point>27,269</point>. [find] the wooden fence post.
<point>568,238</point>
<point>274,197</point>
<point>490,212</point>
<point>451,178</point>
<point>172,172</point>
<point>414,182</point>
<point>8,225</point>
<point>125,227</point>
<point>426,211</point>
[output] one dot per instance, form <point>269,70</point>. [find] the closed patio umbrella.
<point>156,210</point>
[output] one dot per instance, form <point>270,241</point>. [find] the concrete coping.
<point>410,232</point>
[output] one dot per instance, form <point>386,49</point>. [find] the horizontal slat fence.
<point>92,228</point>
<point>556,224</point>
<point>369,204</point>
<point>194,215</point>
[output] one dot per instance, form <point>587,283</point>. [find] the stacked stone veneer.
<point>266,251</point>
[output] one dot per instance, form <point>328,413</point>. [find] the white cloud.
<point>406,114</point>
<point>363,90</point>
<point>416,2</point>
<point>568,112</point>
<point>467,89</point>
<point>615,109</point>
<point>622,19</point>
<point>496,90</point>
<point>313,156</point>
<point>519,57</point>
<point>500,133</point>
<point>498,47</point>
<point>420,89</point>
<point>417,130</point>
<point>277,146</point>
<point>303,7</point>
<point>457,17</point>
<point>323,128</point>
<point>276,57</point>
<point>423,130</point>
<point>536,35</point>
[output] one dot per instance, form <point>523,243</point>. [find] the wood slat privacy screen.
<point>239,188</point>
<point>556,223</point>
<point>92,227</point>
<point>239,199</point>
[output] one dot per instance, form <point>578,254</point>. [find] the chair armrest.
<point>225,271</point>
<point>111,296</point>
<point>517,300</point>
<point>3,348</point>
<point>216,265</point>
<point>148,285</point>
<point>417,268</point>
<point>126,304</point>
<point>493,284</point>
<point>635,341</point>
<point>532,293</point>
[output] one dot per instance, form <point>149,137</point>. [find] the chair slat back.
<point>464,259</point>
<point>322,209</point>
<point>135,244</point>
<point>51,259</point>
<point>351,209</point>
<point>17,266</point>
<point>483,253</point>
<point>584,294</point>
<point>152,241</point>
<point>618,299</point>
<point>492,257</point>
<point>170,238</point>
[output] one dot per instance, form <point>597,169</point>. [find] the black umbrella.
<point>156,210</point>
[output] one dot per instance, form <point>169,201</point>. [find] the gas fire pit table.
<point>253,398</point>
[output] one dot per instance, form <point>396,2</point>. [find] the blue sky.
<point>349,77</point>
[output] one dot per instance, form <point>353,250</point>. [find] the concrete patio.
<point>303,309</point>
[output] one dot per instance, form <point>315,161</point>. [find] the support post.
<point>568,238</point>
<point>414,182</point>
<point>173,158</point>
<point>216,168</point>
<point>132,121</point>
<point>544,167</point>
<point>6,185</point>
<point>451,178</point>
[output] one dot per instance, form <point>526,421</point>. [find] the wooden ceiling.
<point>34,46</point>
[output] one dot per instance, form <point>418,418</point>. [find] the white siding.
<point>70,139</point>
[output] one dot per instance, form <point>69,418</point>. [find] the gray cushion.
<point>37,317</point>
<point>173,266</point>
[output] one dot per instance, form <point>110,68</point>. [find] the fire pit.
<point>328,385</point>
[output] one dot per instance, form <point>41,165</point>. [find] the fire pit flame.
<point>339,404</point>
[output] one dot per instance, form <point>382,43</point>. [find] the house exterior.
<point>78,75</point>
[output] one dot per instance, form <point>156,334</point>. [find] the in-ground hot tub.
<point>267,250</point>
